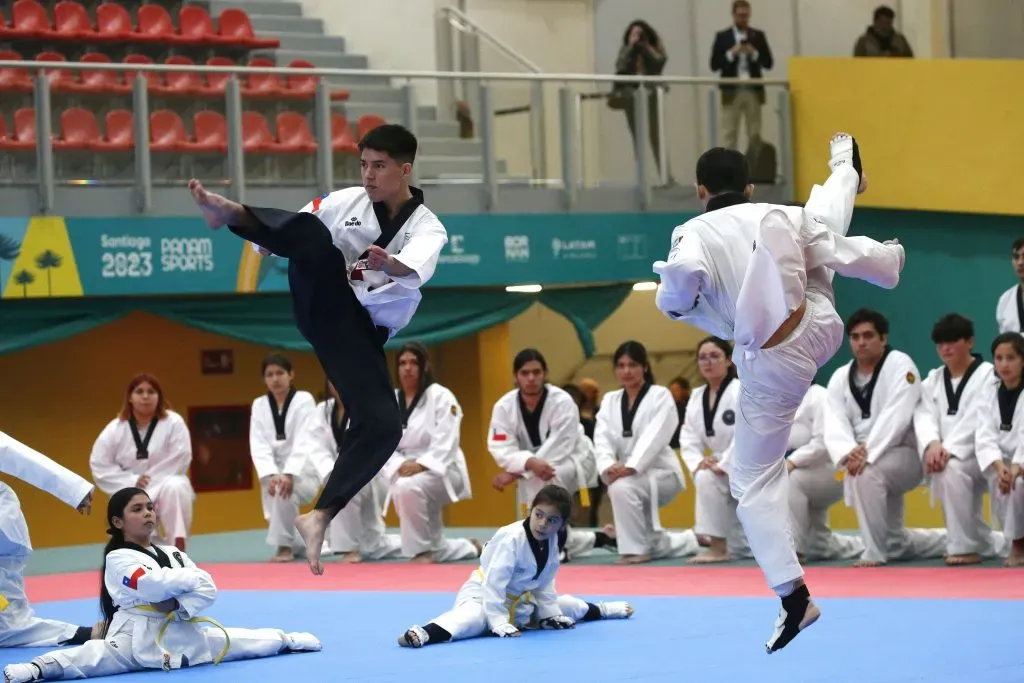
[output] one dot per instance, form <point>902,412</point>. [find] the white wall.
<point>557,36</point>
<point>372,29</point>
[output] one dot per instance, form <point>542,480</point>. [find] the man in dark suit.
<point>741,52</point>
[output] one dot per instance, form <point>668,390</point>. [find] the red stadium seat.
<point>196,27</point>
<point>11,79</point>
<point>78,130</point>
<point>293,133</point>
<point>262,85</point>
<point>104,81</point>
<point>120,131</point>
<point>61,80</point>
<point>167,132</point>
<point>113,23</point>
<point>211,131</point>
<point>341,135</point>
<point>71,22</point>
<point>155,26</point>
<point>300,86</point>
<point>234,24</point>
<point>256,136</point>
<point>181,82</point>
<point>368,122</point>
<point>216,83</point>
<point>154,80</point>
<point>29,20</point>
<point>23,136</point>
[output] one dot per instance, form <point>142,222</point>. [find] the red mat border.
<point>826,582</point>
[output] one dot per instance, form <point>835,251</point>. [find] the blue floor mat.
<point>668,639</point>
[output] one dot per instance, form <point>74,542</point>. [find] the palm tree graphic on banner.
<point>47,261</point>
<point>24,278</point>
<point>9,250</point>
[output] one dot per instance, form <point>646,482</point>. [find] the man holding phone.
<point>741,52</point>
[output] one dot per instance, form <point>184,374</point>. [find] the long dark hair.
<point>637,353</point>
<point>649,33</point>
<point>115,508</point>
<point>422,360</point>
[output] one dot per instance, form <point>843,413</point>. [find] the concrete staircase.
<point>442,154</point>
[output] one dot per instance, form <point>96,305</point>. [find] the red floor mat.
<point>825,582</point>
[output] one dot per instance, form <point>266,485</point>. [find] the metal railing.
<point>568,121</point>
<point>458,49</point>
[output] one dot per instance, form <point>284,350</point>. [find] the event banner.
<point>71,257</point>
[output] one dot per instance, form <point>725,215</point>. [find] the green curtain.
<point>444,314</point>
<point>586,308</point>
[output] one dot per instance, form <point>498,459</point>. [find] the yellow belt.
<point>194,620</point>
<point>511,597</point>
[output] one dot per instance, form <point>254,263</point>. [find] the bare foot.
<point>1016,558</point>
<point>312,527</point>
<point>703,541</point>
<point>710,558</point>
<point>217,210</point>
<point>633,559</point>
<point>608,530</point>
<point>868,563</point>
<point>97,630</point>
<point>353,557</point>
<point>961,560</point>
<point>284,554</point>
<point>423,558</point>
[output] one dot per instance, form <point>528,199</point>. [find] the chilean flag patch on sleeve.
<point>316,202</point>
<point>133,580</point>
<point>498,436</point>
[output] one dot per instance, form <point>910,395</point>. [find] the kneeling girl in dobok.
<point>514,587</point>
<point>151,597</point>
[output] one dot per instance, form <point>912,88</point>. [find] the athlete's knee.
<point>177,486</point>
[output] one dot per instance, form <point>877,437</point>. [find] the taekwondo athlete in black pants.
<point>356,260</point>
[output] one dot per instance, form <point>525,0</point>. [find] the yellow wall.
<point>935,134</point>
<point>72,388</point>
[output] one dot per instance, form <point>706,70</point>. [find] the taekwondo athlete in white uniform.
<point>153,598</point>
<point>1010,307</point>
<point>19,627</point>
<point>513,589</point>
<point>148,445</point>
<point>358,532</point>
<point>946,421</point>
<point>357,259</point>
<point>428,470</point>
<point>536,438</point>
<point>761,274</point>
<point>813,485</point>
<point>869,433</point>
<point>635,426</point>
<point>997,442</point>
<point>284,460</point>
<point>708,427</point>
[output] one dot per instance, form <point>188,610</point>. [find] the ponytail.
<point>115,508</point>
<point>107,606</point>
